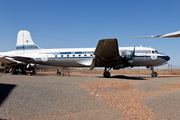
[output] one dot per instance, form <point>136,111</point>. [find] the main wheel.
<point>33,72</point>
<point>154,74</point>
<point>15,72</point>
<point>58,73</point>
<point>106,74</point>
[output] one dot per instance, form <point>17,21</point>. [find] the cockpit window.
<point>156,51</point>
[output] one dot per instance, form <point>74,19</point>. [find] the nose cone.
<point>166,58</point>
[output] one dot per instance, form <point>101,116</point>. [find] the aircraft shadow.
<point>5,90</point>
<point>128,77</point>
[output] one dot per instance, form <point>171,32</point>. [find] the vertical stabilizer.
<point>25,42</point>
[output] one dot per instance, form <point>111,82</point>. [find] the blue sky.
<point>82,23</point>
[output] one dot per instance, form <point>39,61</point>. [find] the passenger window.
<point>73,55</point>
<point>85,55</point>
<point>79,55</point>
<point>91,55</point>
<point>55,55</point>
<point>67,55</point>
<point>61,55</point>
<point>153,52</point>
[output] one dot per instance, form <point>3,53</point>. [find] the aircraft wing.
<point>7,63</point>
<point>17,59</point>
<point>169,35</point>
<point>106,53</point>
<point>7,60</point>
<point>14,62</point>
<point>24,59</point>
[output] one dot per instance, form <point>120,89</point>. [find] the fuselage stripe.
<point>26,47</point>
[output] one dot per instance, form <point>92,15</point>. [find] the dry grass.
<point>121,71</point>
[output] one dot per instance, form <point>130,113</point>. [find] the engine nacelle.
<point>30,66</point>
<point>118,66</point>
<point>131,63</point>
<point>127,54</point>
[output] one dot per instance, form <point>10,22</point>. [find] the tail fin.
<point>25,42</point>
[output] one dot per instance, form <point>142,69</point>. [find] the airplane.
<point>168,35</point>
<point>107,54</point>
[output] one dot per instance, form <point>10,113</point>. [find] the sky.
<point>82,23</point>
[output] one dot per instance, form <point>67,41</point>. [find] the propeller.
<point>131,62</point>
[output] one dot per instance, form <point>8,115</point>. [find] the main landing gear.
<point>153,74</point>
<point>106,74</point>
<point>33,72</point>
<point>58,72</point>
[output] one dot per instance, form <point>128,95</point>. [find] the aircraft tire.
<point>154,74</point>
<point>15,72</point>
<point>58,73</point>
<point>106,74</point>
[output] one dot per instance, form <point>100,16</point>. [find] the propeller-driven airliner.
<point>107,54</point>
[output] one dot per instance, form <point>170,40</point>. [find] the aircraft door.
<point>146,54</point>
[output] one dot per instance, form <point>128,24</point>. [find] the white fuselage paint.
<point>82,57</point>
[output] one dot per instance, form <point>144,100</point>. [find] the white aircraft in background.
<point>28,56</point>
<point>169,35</point>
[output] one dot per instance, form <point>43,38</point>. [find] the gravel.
<point>87,97</point>
<point>51,97</point>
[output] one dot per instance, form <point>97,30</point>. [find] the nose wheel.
<point>106,73</point>
<point>153,74</point>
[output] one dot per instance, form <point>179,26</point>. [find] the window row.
<point>74,55</point>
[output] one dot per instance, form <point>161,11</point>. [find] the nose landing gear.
<point>153,74</point>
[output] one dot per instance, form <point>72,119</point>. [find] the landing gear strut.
<point>153,74</point>
<point>58,72</point>
<point>106,74</point>
<point>33,72</point>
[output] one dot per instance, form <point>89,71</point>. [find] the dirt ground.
<point>86,97</point>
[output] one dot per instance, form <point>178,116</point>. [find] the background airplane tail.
<point>25,42</point>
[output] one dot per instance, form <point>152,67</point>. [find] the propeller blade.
<point>133,52</point>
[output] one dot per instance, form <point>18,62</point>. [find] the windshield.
<point>156,51</point>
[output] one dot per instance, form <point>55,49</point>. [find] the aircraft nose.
<point>167,58</point>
